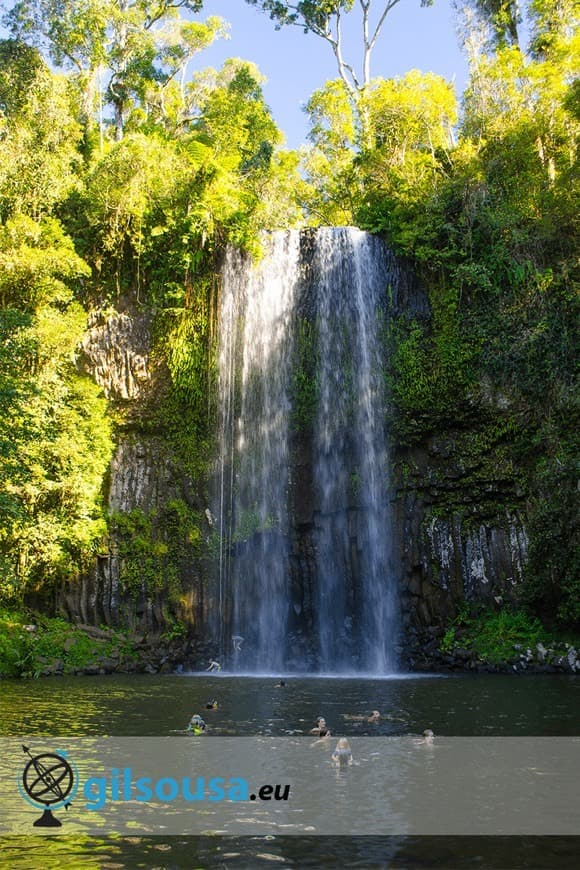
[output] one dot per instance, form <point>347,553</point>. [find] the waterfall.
<point>255,367</point>
<point>342,617</point>
<point>355,590</point>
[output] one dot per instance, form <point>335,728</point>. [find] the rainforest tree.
<point>326,19</point>
<point>138,52</point>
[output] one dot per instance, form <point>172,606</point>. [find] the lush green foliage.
<point>487,212</point>
<point>40,134</point>
<point>145,47</point>
<point>152,547</point>
<point>433,375</point>
<point>494,636</point>
<point>96,207</point>
<point>57,446</point>
<point>123,179</point>
<point>33,644</point>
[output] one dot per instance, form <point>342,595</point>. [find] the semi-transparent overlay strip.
<point>301,786</point>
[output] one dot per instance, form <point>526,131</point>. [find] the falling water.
<point>346,273</point>
<point>255,369</point>
<point>356,586</point>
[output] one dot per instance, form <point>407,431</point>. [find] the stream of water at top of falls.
<point>338,612</point>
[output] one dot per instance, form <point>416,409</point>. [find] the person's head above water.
<point>211,705</point>
<point>321,727</point>
<point>280,684</point>
<point>196,724</point>
<point>342,753</point>
<point>375,716</point>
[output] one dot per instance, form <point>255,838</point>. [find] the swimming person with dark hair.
<point>320,728</point>
<point>280,685</point>
<point>211,705</point>
<point>375,717</point>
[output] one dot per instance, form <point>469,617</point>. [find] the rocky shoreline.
<point>140,656</point>
<point>425,655</point>
<point>182,656</point>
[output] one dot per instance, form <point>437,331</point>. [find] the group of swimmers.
<point>341,757</point>
<point>342,754</point>
<point>321,730</point>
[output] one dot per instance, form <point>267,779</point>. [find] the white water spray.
<point>355,602</point>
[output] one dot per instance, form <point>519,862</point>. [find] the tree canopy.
<point>139,49</point>
<point>325,19</point>
<point>124,175</point>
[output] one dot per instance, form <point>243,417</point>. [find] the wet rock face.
<point>490,558</point>
<point>461,530</point>
<point>146,478</point>
<point>115,352</point>
<point>141,475</point>
<point>441,560</point>
<point>144,482</point>
<point>459,526</point>
<point>446,560</point>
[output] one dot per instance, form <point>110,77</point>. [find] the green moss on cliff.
<point>153,548</point>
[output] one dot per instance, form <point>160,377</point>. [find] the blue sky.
<point>296,64</point>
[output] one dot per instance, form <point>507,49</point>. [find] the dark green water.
<point>157,706</point>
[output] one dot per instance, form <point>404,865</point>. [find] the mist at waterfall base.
<point>315,594</point>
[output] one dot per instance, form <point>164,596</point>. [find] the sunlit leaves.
<point>136,47</point>
<point>37,260</point>
<point>414,113</point>
<point>54,454</point>
<point>399,127</point>
<point>38,132</point>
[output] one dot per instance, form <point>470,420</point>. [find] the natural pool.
<point>158,706</point>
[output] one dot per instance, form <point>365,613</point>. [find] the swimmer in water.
<point>320,729</point>
<point>196,725</point>
<point>280,685</point>
<point>342,755</point>
<point>374,717</point>
<point>428,735</point>
<point>211,705</point>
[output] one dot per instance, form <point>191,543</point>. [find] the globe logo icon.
<point>48,783</point>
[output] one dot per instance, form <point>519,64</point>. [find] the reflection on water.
<point>159,706</point>
<point>451,853</point>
